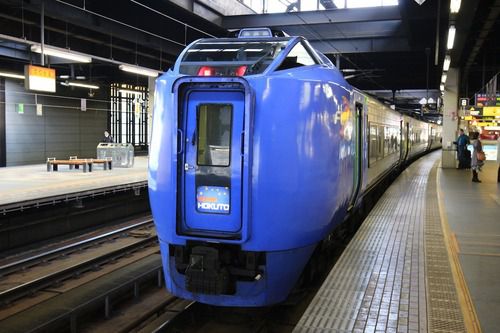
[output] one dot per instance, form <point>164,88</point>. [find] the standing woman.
<point>477,156</point>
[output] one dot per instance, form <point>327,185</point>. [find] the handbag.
<point>481,156</point>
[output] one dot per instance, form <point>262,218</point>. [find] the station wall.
<point>61,131</point>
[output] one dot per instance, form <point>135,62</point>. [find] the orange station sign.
<point>40,78</point>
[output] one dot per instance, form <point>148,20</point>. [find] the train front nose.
<point>213,155</point>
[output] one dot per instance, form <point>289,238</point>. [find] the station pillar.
<point>450,119</point>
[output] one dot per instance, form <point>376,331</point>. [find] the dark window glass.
<point>231,57</point>
<point>214,134</point>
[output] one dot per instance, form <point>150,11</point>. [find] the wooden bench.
<point>107,164</point>
<point>53,164</point>
<point>75,162</point>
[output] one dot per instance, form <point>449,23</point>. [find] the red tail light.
<point>206,71</point>
<point>240,71</point>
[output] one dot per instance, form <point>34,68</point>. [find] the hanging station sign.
<point>40,78</point>
<point>487,99</point>
<point>491,111</point>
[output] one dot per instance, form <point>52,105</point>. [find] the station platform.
<point>32,184</point>
<point>426,259</point>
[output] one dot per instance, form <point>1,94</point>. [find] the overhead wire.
<point>328,43</point>
<point>170,17</point>
<point>122,23</point>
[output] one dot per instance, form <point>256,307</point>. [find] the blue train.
<point>259,149</point>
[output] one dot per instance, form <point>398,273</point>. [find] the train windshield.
<point>230,57</point>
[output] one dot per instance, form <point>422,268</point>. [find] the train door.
<point>358,154</point>
<point>404,140</point>
<point>407,138</point>
<point>212,173</point>
<point>431,136</point>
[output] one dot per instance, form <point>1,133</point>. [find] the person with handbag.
<point>478,157</point>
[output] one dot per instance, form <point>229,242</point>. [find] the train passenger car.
<point>259,149</point>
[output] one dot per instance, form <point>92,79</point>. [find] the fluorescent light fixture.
<point>61,53</point>
<point>455,6</point>
<point>12,75</point>
<point>443,77</point>
<point>423,101</point>
<point>431,100</point>
<point>80,77</point>
<point>447,62</point>
<point>451,37</point>
<point>139,70</point>
<point>441,87</point>
<point>348,70</point>
<point>128,91</point>
<point>64,77</point>
<point>83,85</point>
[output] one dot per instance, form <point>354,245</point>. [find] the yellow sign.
<point>483,124</point>
<point>40,78</point>
<point>468,117</point>
<point>44,72</point>
<point>491,111</point>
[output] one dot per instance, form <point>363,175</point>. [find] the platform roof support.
<point>450,119</point>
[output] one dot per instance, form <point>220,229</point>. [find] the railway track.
<point>75,285</point>
<point>30,274</point>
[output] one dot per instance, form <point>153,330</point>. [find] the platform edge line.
<point>471,319</point>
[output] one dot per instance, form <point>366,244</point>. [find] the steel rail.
<point>45,256</point>
<point>18,291</point>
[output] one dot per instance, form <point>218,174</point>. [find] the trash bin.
<point>121,153</point>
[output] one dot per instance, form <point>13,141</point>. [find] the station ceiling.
<point>384,48</point>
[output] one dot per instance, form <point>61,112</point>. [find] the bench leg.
<point>105,166</point>
<point>55,167</point>
<point>90,167</point>
<point>110,165</point>
<point>77,166</point>
<point>48,167</point>
<point>84,167</point>
<point>71,166</point>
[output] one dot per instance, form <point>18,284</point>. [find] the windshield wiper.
<point>259,61</point>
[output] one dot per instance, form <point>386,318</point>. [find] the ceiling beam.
<point>358,15</point>
<point>362,45</point>
<point>488,24</point>
<point>350,30</point>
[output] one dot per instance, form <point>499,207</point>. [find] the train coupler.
<point>205,273</point>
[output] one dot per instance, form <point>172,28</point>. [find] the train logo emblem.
<point>213,199</point>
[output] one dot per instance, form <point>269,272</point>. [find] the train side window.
<point>297,57</point>
<point>213,130</point>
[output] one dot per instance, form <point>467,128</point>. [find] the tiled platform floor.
<point>473,214</point>
<point>382,281</point>
<point>33,181</point>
